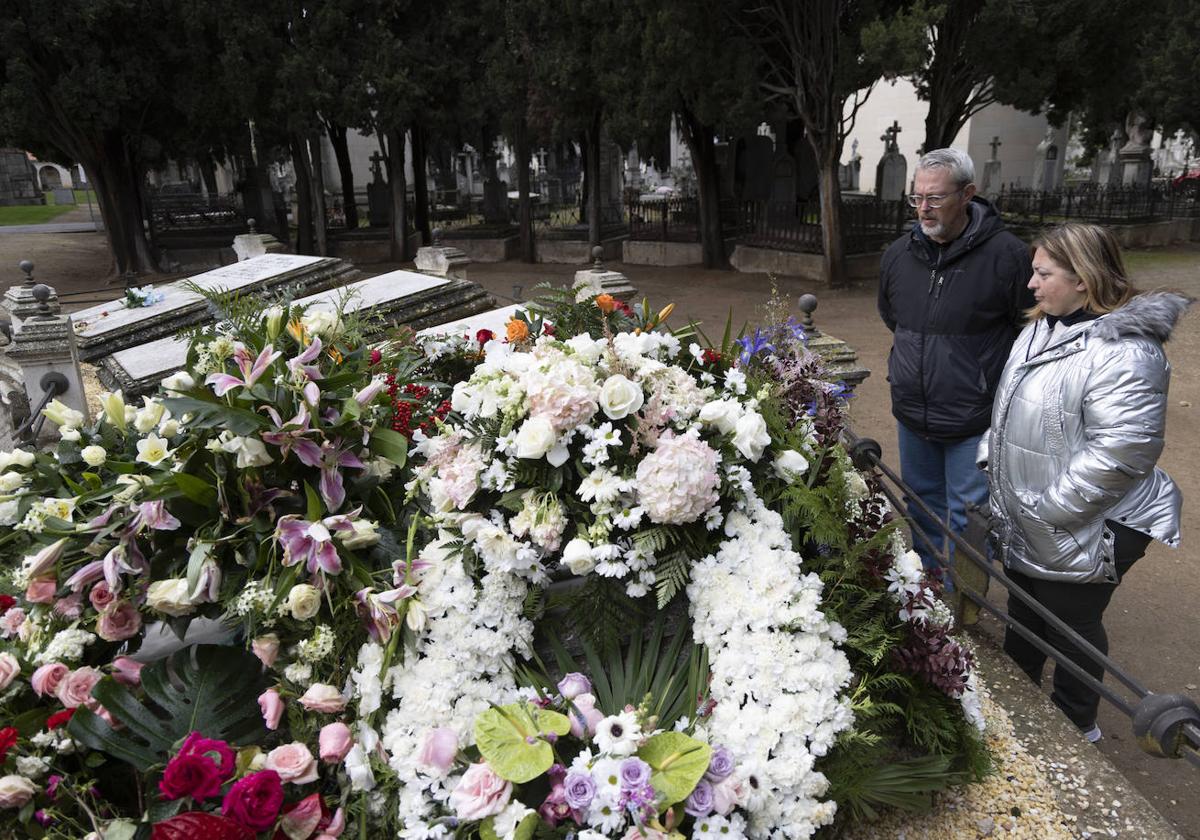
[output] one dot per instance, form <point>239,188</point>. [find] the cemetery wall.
<point>859,267</point>
<point>642,252</point>
<point>575,251</point>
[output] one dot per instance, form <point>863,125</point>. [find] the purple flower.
<point>378,610</point>
<point>574,684</point>
<point>291,434</point>
<point>370,392</point>
<point>720,765</point>
<point>311,542</point>
<point>301,366</point>
<point>123,558</point>
<point>700,802</point>
<point>554,808</point>
<point>580,790</point>
<point>152,515</point>
<point>330,457</point>
<point>635,774</point>
<point>251,370</point>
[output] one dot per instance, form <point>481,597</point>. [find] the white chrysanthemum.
<point>677,482</point>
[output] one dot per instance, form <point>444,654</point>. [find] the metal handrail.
<point>1161,722</point>
<point>53,384</point>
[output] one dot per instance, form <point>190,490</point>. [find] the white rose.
<point>321,322</point>
<point>251,452</point>
<point>619,397</point>
<point>535,438</point>
<point>93,456</point>
<point>790,465</point>
<point>20,457</point>
<point>181,381</point>
<point>304,601</point>
<point>577,557</point>
<point>750,435</point>
<point>724,414</point>
<point>170,597</point>
<point>11,481</point>
<point>70,435</point>
<point>15,791</point>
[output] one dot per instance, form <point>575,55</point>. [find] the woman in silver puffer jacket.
<point>1077,427</point>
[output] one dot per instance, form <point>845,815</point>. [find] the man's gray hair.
<point>962,170</point>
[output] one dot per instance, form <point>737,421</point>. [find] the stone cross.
<point>889,137</point>
<point>995,144</point>
<point>376,167</point>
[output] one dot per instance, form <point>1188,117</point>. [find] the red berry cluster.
<point>711,356</point>
<point>410,403</point>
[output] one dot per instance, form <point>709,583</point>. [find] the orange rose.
<point>516,331</point>
<point>606,303</point>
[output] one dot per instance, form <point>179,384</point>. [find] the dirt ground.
<point>1152,622</point>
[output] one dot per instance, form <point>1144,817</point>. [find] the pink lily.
<point>377,610</point>
<point>251,370</point>
<point>123,558</point>
<point>311,543</point>
<point>330,457</point>
<point>86,576</point>
<point>370,392</point>
<point>302,365</point>
<point>45,560</point>
<point>152,515</point>
<point>290,434</point>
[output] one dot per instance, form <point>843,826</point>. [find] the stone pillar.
<point>840,358</point>
<point>19,302</point>
<point>596,280</point>
<point>1135,161</point>
<point>247,246</point>
<point>442,260</point>
<point>44,348</point>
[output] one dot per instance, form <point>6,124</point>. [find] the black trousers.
<point>1081,607</point>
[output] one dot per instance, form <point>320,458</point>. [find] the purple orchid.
<point>301,366</point>
<point>311,543</point>
<point>152,515</point>
<point>378,612</point>
<point>252,370</point>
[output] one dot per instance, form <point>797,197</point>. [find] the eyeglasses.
<point>934,201</point>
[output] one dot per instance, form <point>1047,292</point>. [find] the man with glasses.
<point>953,292</point>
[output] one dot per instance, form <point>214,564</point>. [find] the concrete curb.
<point>1087,785</point>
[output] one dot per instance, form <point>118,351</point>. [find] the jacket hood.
<point>1150,314</point>
<point>985,222</point>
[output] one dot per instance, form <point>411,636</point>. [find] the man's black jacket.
<point>955,310</point>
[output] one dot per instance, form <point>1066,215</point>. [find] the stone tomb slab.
<point>392,299</point>
<point>109,327</point>
<point>495,320</point>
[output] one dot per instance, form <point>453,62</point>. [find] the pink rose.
<point>266,648</point>
<point>335,741</point>
<point>11,621</point>
<point>119,622</point>
<point>584,716</point>
<point>127,671</point>
<point>480,793</point>
<point>302,819</point>
<point>728,794</point>
<point>101,596</point>
<point>45,679</point>
<point>335,828</point>
<point>272,707</point>
<point>573,685</point>
<point>76,689</point>
<point>70,607</point>
<point>321,697</point>
<point>9,668</point>
<point>439,750</point>
<point>41,591</point>
<point>15,791</point>
<point>294,763</point>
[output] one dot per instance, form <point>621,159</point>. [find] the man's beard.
<point>933,229</point>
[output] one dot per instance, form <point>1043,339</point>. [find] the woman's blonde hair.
<point>1091,253</point>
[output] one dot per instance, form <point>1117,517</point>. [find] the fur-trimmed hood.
<point>1152,314</point>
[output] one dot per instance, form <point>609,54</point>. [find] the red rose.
<point>196,776</point>
<point>376,357</point>
<point>484,336</point>
<point>8,739</point>
<point>548,329</point>
<point>6,601</point>
<point>217,751</point>
<point>59,719</point>
<point>255,800</point>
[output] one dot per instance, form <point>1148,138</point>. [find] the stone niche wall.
<point>18,179</point>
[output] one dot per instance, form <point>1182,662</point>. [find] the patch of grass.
<point>33,214</point>
<point>1140,260</point>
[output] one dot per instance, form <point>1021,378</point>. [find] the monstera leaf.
<point>508,739</point>
<point>677,764</point>
<point>209,689</point>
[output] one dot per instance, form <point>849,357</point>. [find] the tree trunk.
<point>304,236</point>
<point>831,212</point>
<point>341,152</point>
<point>524,206</point>
<point>115,176</point>
<point>952,77</point>
<point>699,138</point>
<point>592,181</point>
<point>399,221</point>
<point>320,218</point>
<point>420,185</point>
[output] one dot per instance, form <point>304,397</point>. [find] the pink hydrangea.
<point>566,394</point>
<point>677,482</point>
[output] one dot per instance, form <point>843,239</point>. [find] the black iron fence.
<point>867,224</point>
<point>1099,204</point>
<point>194,211</point>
